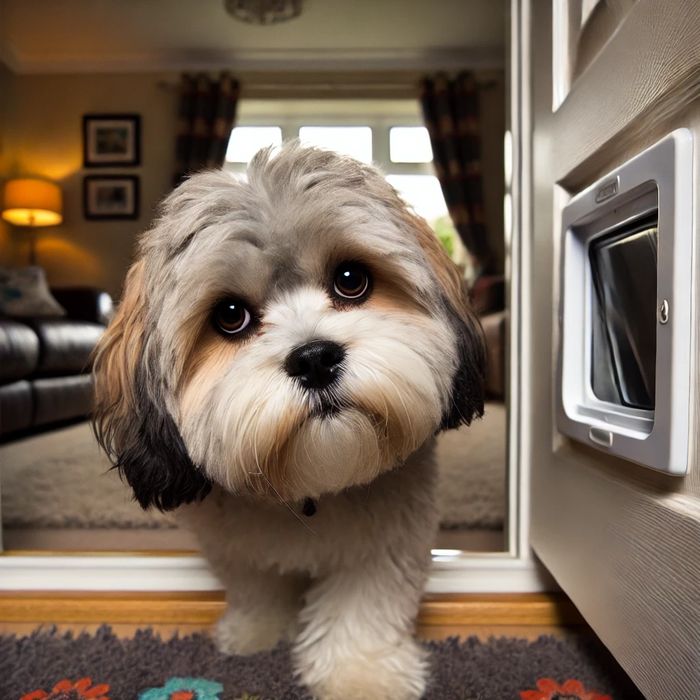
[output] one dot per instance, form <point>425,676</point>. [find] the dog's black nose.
<point>316,365</point>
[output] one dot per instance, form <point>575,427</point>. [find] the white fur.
<point>393,372</point>
<point>344,585</point>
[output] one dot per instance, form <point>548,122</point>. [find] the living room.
<point>161,98</point>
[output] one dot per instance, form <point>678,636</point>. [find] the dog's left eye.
<point>351,281</point>
<point>231,316</point>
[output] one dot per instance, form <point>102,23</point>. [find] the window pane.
<point>355,141</point>
<point>410,144</point>
<point>246,141</point>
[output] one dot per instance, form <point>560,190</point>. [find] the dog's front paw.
<point>392,673</point>
<point>240,632</point>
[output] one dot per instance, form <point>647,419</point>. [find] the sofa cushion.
<point>19,351</point>
<point>24,292</point>
<point>62,398</point>
<point>65,346</point>
<point>85,303</point>
<point>15,407</point>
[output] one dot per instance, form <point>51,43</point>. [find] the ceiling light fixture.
<point>263,11</point>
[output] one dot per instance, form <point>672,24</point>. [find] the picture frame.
<point>111,140</point>
<point>111,197</point>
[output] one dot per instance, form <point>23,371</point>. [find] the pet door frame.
<point>658,180</point>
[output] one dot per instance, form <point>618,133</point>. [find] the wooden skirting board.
<point>440,615</point>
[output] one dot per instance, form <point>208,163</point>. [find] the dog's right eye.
<point>231,316</point>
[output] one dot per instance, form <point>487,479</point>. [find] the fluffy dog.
<point>285,351</point>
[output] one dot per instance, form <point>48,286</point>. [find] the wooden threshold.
<point>203,608</point>
<point>536,609</point>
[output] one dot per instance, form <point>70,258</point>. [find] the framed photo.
<point>111,197</point>
<point>111,139</point>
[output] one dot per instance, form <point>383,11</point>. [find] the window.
<point>410,144</point>
<point>355,141</point>
<point>388,133</point>
<point>246,141</point>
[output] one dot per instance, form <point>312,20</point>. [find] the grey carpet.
<point>471,462</point>
<point>62,480</point>
<point>470,670</point>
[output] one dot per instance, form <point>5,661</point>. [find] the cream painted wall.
<point>44,138</point>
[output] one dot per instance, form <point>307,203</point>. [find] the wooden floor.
<point>526,616</point>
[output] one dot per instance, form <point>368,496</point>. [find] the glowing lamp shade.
<point>30,202</point>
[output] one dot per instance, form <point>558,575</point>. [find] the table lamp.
<point>31,203</point>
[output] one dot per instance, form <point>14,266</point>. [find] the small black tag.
<point>309,507</point>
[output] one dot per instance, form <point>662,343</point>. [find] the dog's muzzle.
<point>315,365</point>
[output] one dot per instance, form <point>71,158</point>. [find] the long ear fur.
<point>467,396</point>
<point>135,430</point>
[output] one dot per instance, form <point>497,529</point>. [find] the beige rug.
<point>62,480</point>
<point>472,473</point>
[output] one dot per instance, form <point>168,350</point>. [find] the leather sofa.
<point>45,362</point>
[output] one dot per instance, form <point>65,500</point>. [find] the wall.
<point>6,100</point>
<point>45,138</point>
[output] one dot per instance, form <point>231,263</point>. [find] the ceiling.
<point>115,35</point>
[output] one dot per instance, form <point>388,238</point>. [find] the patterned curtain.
<point>451,114</point>
<point>207,113</point>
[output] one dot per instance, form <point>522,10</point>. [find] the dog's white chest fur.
<point>394,512</point>
<point>346,581</point>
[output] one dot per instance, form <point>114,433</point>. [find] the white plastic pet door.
<point>624,360</point>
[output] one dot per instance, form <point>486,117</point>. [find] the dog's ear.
<point>131,424</point>
<point>466,401</point>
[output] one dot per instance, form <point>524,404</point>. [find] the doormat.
<point>51,666</point>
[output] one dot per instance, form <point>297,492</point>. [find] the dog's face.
<point>290,336</point>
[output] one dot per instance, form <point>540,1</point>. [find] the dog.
<point>285,351</point>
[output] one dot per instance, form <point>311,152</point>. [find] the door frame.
<point>514,570</point>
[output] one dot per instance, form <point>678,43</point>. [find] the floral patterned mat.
<point>203,689</point>
<point>51,666</point>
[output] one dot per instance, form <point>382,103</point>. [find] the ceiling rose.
<point>263,11</point>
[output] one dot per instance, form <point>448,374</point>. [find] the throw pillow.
<point>24,292</point>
